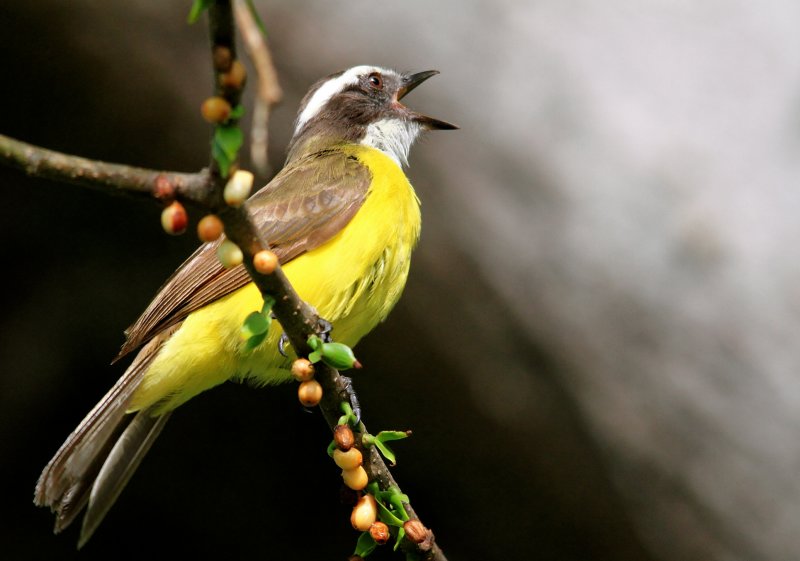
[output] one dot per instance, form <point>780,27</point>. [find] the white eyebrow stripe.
<point>329,89</point>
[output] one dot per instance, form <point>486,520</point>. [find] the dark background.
<point>597,347</point>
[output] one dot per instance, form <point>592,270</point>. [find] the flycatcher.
<point>343,220</point>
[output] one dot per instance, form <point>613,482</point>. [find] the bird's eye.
<point>375,81</point>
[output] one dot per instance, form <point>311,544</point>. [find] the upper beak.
<point>411,81</point>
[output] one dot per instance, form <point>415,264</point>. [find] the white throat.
<point>393,137</point>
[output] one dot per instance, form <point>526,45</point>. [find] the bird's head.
<point>362,105</point>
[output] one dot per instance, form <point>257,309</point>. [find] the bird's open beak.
<point>411,81</point>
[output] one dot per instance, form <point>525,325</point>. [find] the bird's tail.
<point>99,457</point>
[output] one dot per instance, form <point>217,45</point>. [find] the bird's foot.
<point>352,397</point>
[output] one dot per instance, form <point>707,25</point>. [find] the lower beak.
<point>411,81</point>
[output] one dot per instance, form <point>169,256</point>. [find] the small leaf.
<point>314,342</point>
<point>237,112</point>
<point>198,7</point>
<point>387,435</point>
<point>315,356</point>
<point>229,138</point>
<point>254,341</point>
<point>388,517</point>
<point>255,324</point>
<point>401,532</point>
<point>222,160</point>
<point>365,545</point>
<point>386,451</point>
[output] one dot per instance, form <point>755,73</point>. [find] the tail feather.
<point>66,481</point>
<point>118,468</point>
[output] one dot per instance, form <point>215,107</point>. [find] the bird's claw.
<point>352,397</point>
<point>282,344</point>
<point>324,327</point>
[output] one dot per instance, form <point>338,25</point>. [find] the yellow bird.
<point>343,220</point>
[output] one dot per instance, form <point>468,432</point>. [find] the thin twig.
<point>268,92</point>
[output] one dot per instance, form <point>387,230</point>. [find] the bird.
<point>343,220</point>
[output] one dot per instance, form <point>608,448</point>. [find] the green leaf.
<point>222,160</point>
<point>387,516</point>
<point>401,532</point>
<point>315,356</point>
<point>365,545</point>
<point>254,341</point>
<point>198,7</point>
<point>237,112</point>
<point>229,138</point>
<point>386,451</point>
<point>382,438</point>
<point>387,435</point>
<point>225,146</point>
<point>255,324</point>
<point>314,342</point>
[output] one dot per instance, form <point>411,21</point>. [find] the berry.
<point>364,513</point>
<point>302,369</point>
<point>215,110</point>
<point>174,219</point>
<point>238,188</point>
<point>309,393</point>
<point>348,460</point>
<point>209,228</point>
<point>265,263</point>
<point>229,254</point>
<point>356,478</point>
<point>379,532</point>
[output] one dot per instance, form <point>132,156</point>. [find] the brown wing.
<point>305,205</point>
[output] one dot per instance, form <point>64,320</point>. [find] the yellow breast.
<point>353,280</point>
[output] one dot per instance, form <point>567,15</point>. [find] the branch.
<point>113,178</point>
<point>268,92</point>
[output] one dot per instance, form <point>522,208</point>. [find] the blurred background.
<point>597,348</point>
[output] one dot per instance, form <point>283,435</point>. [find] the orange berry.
<point>348,460</point>
<point>309,393</point>
<point>265,263</point>
<point>302,369</point>
<point>174,219</point>
<point>209,228</point>
<point>356,478</point>
<point>234,78</point>
<point>215,110</point>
